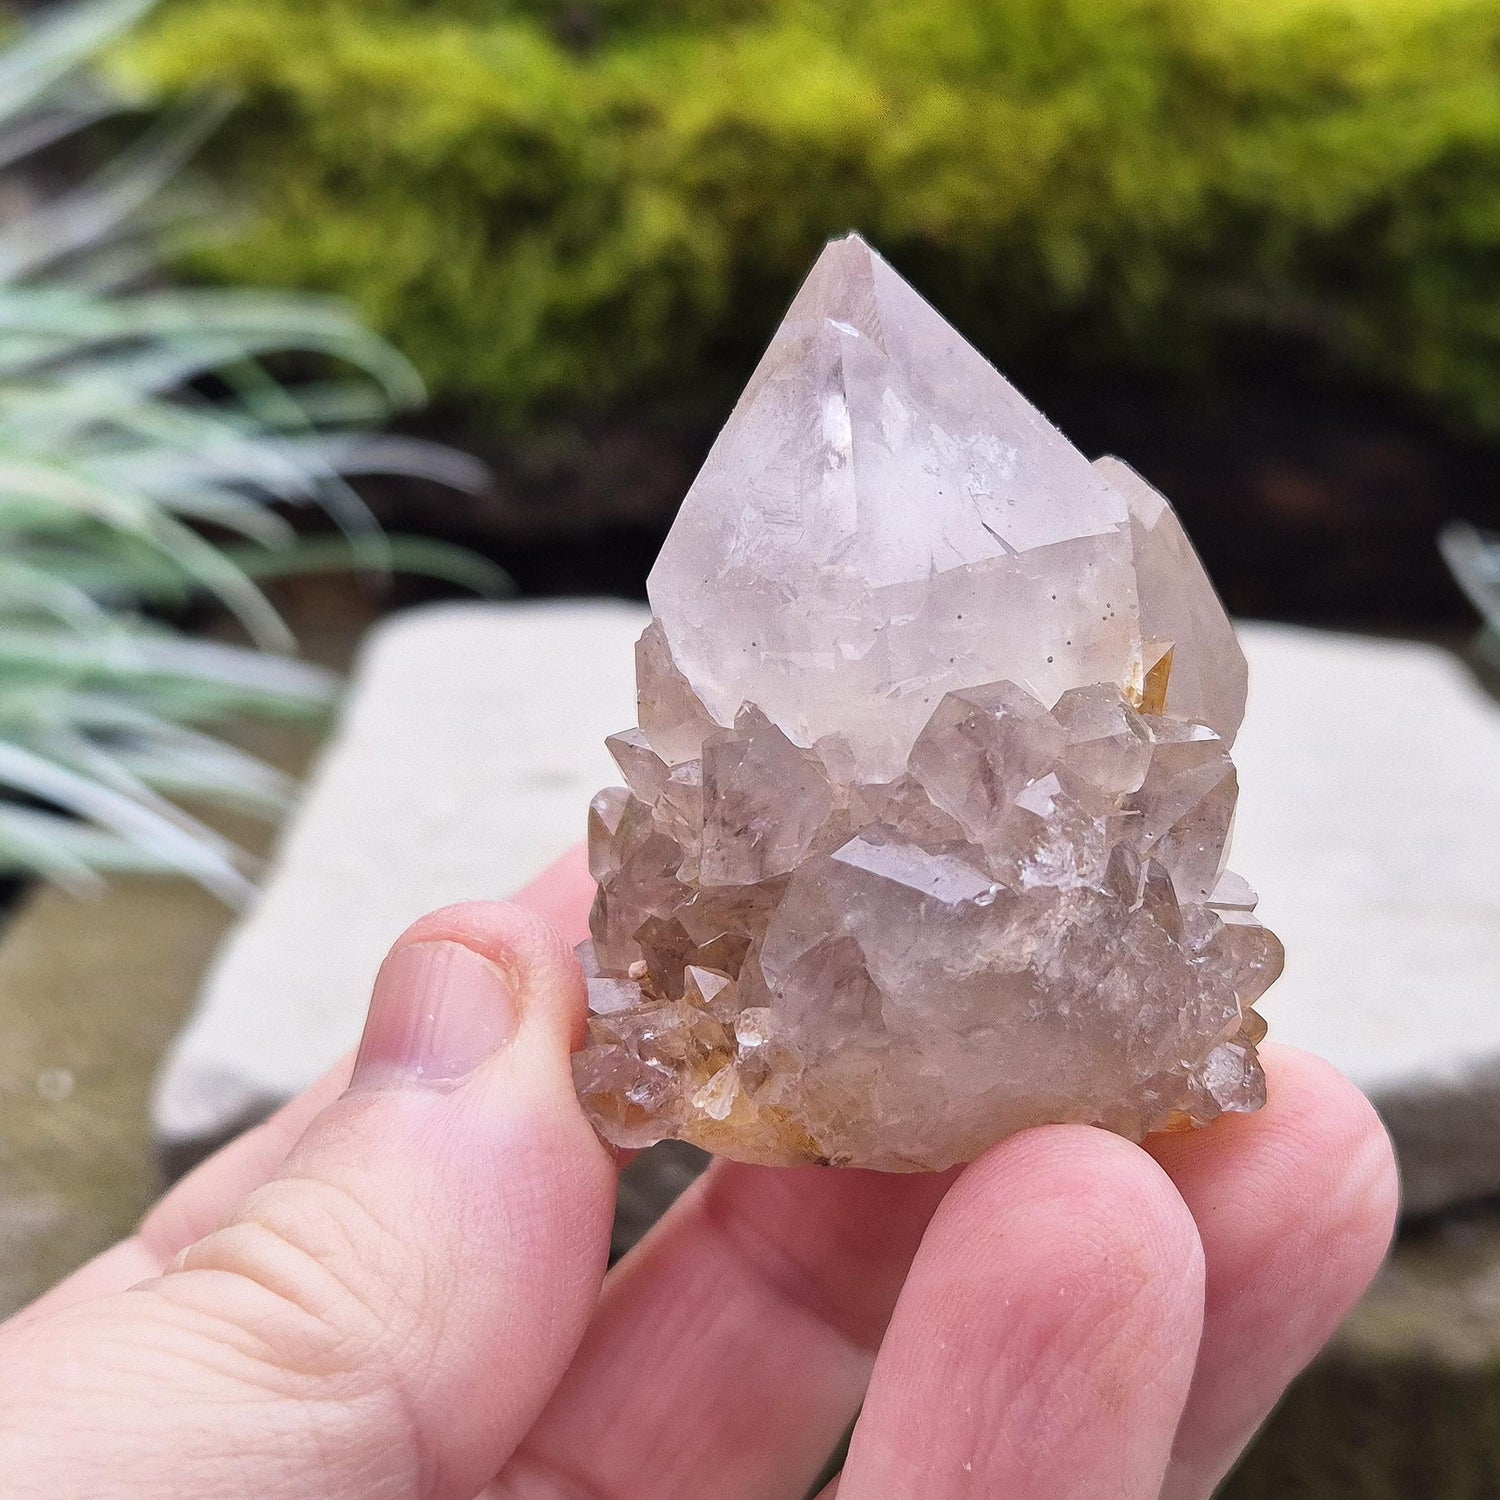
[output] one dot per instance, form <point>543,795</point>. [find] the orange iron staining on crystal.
<point>925,820</point>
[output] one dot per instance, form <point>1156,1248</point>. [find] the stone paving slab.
<point>471,745</point>
<point>1370,822</point>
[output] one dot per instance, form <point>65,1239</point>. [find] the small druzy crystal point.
<point>925,823</point>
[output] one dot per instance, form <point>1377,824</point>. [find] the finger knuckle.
<point>321,1291</point>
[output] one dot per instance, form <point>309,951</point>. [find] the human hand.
<point>392,1289</point>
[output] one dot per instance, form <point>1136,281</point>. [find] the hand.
<point>393,1289</point>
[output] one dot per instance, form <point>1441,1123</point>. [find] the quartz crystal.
<point>923,834</point>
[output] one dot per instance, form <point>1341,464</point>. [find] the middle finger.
<point>1045,1338</point>
<point>732,1347</point>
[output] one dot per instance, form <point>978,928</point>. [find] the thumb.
<point>387,1316</point>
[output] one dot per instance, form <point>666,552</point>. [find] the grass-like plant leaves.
<point>146,456</point>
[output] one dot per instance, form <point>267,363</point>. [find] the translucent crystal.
<point>928,808</point>
<point>764,802</point>
<point>884,519</point>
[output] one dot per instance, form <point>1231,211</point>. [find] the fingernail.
<point>438,1011</point>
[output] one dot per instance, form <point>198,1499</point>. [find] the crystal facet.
<point>928,808</point>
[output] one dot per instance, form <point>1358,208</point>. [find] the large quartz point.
<point>923,834</point>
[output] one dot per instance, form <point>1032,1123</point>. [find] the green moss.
<point>546,203</point>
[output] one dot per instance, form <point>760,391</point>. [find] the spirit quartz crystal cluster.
<point>924,834</point>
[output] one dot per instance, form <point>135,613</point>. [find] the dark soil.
<point>1308,502</point>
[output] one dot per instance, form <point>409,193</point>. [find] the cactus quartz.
<point>927,811</point>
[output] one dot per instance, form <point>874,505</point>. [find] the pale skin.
<point>397,1289</point>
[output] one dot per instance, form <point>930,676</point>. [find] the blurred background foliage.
<point>553,204</point>
<point>148,459</point>
<point>1254,247</point>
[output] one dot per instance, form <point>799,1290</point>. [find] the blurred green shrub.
<point>548,203</point>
